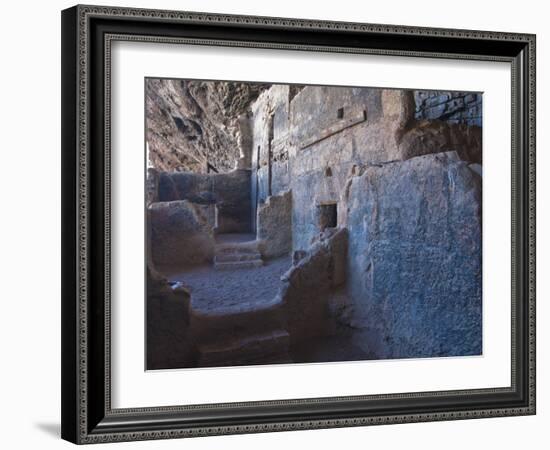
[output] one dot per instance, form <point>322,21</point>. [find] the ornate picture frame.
<point>88,33</point>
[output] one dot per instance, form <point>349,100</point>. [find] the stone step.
<point>235,257</point>
<point>272,347</point>
<point>246,247</point>
<point>230,265</point>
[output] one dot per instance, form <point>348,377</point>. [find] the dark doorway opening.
<point>328,215</point>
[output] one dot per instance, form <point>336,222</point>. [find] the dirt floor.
<point>222,289</point>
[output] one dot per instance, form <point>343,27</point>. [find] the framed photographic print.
<point>279,224</point>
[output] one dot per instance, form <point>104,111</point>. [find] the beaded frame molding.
<point>87,35</point>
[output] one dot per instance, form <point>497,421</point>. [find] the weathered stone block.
<point>168,343</point>
<point>275,225</point>
<point>152,186</point>
<point>318,108</point>
<point>451,107</point>
<point>230,192</point>
<point>308,285</point>
<point>180,233</point>
<point>265,348</point>
<point>219,327</point>
<point>415,258</point>
<point>436,136</point>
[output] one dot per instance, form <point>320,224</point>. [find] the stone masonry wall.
<point>407,190</point>
<point>180,233</point>
<point>378,193</point>
<point>228,192</point>
<point>270,129</point>
<point>452,107</point>
<point>314,140</point>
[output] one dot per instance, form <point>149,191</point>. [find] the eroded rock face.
<point>415,258</point>
<point>181,233</point>
<point>193,124</point>
<point>425,137</point>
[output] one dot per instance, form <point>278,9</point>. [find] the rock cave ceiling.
<point>193,125</point>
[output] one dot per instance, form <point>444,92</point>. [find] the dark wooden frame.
<point>87,32</point>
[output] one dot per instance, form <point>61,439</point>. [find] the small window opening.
<point>340,113</point>
<point>328,216</point>
<point>328,172</point>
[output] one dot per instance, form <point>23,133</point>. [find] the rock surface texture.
<point>453,107</point>
<point>228,194</point>
<point>415,258</point>
<point>192,125</point>
<point>371,198</point>
<point>180,233</point>
<point>275,225</point>
<point>168,339</point>
<point>307,287</point>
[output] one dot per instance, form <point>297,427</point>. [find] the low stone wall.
<point>152,186</point>
<point>275,226</point>
<point>168,312</point>
<point>415,258</point>
<point>309,283</point>
<point>180,233</point>
<point>229,192</point>
<point>240,336</point>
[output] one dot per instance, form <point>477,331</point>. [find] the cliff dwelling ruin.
<point>299,224</point>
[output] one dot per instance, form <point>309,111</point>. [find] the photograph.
<point>282,219</point>
<point>291,224</point>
